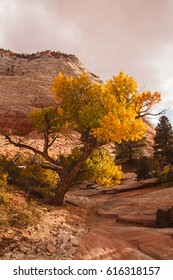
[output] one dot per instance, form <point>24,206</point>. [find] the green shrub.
<point>22,218</point>
<point>144,168</point>
<point>34,175</point>
<point>3,177</point>
<point>8,167</point>
<point>37,181</point>
<point>3,186</point>
<point>166,174</point>
<point>33,179</point>
<point>4,199</point>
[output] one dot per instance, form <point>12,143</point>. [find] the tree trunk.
<point>130,154</point>
<point>69,176</point>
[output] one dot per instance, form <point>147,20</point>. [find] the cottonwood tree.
<point>99,113</point>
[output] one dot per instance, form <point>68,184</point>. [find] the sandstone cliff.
<point>25,83</point>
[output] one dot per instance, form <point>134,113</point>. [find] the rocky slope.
<point>56,236</point>
<point>25,83</point>
<point>52,232</point>
<point>97,226</point>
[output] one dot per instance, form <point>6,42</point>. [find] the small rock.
<point>38,250</point>
<point>72,251</point>
<point>51,242</point>
<point>24,238</point>
<point>37,227</point>
<point>54,242</point>
<point>12,246</point>
<point>30,257</point>
<point>53,231</point>
<point>74,231</point>
<point>19,256</point>
<point>8,255</point>
<point>62,238</point>
<point>51,248</point>
<point>33,248</point>
<point>68,246</point>
<point>23,249</point>
<point>74,241</point>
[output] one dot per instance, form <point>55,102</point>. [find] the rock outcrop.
<point>123,224</point>
<point>25,83</point>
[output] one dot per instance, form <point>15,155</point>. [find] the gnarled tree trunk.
<point>69,176</point>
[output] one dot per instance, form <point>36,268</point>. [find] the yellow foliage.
<point>105,172</point>
<point>109,111</point>
<point>3,177</point>
<point>50,116</point>
<point>143,102</point>
<point>100,113</point>
<point>122,87</point>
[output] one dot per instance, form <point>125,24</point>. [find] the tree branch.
<point>36,151</point>
<point>145,113</point>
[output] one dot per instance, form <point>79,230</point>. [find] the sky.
<point>108,36</point>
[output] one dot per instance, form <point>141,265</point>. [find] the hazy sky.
<point>106,35</point>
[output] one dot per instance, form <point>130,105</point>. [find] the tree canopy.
<point>106,112</point>
<point>99,113</point>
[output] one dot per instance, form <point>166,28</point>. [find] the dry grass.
<point>16,211</point>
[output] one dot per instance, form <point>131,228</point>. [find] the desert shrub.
<point>37,181</point>
<point>33,179</point>
<point>144,168</point>
<point>23,217</point>
<point>4,197</point>
<point>9,168</point>
<point>3,177</point>
<point>170,173</point>
<point>18,216</point>
<point>4,219</point>
<point>34,175</point>
<point>3,185</point>
<point>165,174</point>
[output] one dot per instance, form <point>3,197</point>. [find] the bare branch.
<point>47,167</point>
<point>50,160</point>
<point>146,113</point>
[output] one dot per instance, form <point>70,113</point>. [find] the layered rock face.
<point>25,83</point>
